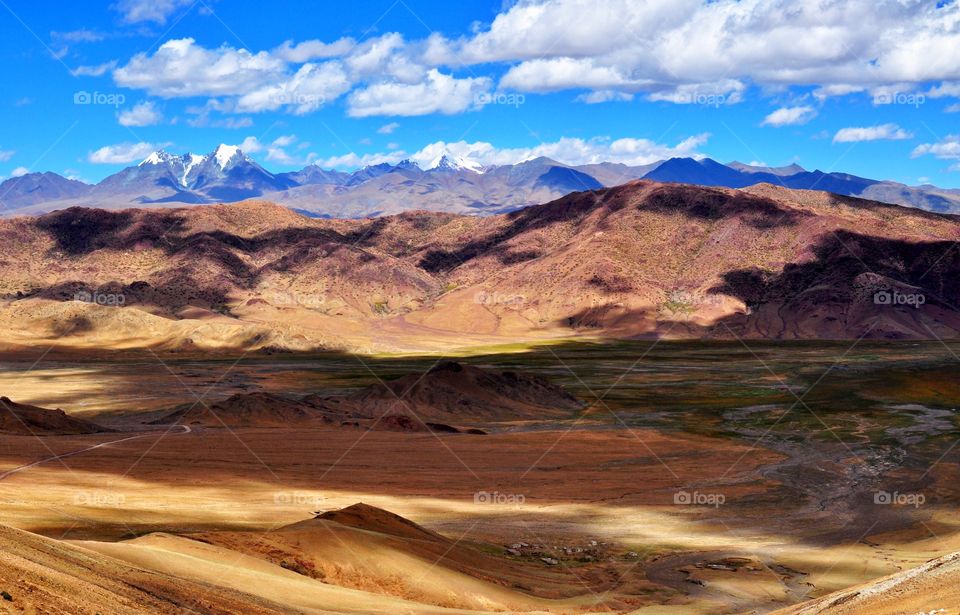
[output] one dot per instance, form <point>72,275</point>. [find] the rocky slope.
<point>643,259</point>
<point>23,419</point>
<point>929,589</point>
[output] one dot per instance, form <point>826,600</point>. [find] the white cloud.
<point>6,154</point>
<point>574,151</point>
<point>121,153</point>
<point>552,74</point>
<point>790,116</point>
<point>679,51</point>
<point>715,94</point>
<point>180,67</point>
<point>311,87</point>
<point>839,46</point>
<point>93,71</point>
<point>313,50</point>
<point>251,145</point>
<point>946,89</point>
<point>157,11</point>
<point>142,114</point>
<point>883,132</point>
<point>276,150</point>
<point>19,172</point>
<point>439,93</point>
<point>947,148</point>
<point>954,108</point>
<point>836,89</point>
<point>387,129</point>
<point>354,161</point>
<point>285,141</point>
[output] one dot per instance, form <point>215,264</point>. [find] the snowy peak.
<point>450,162</point>
<point>226,155</point>
<point>157,157</point>
<point>189,167</point>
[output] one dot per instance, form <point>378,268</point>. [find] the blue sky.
<point>870,87</point>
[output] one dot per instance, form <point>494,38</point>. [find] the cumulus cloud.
<point>142,114</point>
<point>311,87</point>
<point>665,43</point>
<point>681,51</point>
<point>6,154</point>
<point>552,74</point>
<point>313,50</point>
<point>19,172</point>
<point>947,148</point>
<point>121,153</point>
<point>439,93</point>
<point>354,161</point>
<point>883,132</point>
<point>790,116</point>
<point>575,151</point>
<point>714,94</point>
<point>276,150</point>
<point>181,67</point>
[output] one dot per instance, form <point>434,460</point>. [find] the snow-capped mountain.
<point>450,162</point>
<point>225,174</point>
<point>448,182</point>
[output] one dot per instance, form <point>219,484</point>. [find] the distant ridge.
<point>449,183</point>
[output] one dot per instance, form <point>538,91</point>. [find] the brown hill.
<point>455,391</point>
<point>245,410</point>
<point>367,548</point>
<point>642,259</point>
<point>372,519</point>
<point>34,421</point>
<point>452,391</point>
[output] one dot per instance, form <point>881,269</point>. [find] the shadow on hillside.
<point>856,285</point>
<point>693,201</point>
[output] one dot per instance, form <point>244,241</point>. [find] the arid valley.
<point>420,307</point>
<point>687,477</point>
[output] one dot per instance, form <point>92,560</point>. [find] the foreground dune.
<point>933,587</point>
<point>361,559</point>
<point>48,576</point>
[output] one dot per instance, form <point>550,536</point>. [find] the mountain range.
<point>644,259</point>
<point>449,183</point>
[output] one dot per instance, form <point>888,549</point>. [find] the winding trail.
<point>186,430</point>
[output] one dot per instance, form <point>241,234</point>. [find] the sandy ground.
<point>559,489</point>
